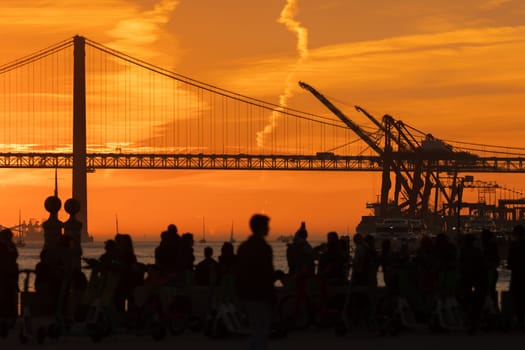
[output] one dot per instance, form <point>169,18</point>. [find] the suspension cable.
<point>211,88</point>
<point>35,57</point>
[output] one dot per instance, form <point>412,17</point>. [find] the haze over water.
<point>29,256</point>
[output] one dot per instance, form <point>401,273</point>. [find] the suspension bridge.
<point>82,105</point>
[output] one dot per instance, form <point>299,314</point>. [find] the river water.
<point>144,250</point>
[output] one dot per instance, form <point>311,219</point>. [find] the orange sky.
<point>452,68</point>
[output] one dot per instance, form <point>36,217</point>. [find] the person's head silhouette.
<point>259,225</point>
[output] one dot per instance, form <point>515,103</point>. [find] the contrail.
<point>287,18</point>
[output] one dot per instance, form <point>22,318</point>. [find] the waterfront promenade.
<point>312,339</point>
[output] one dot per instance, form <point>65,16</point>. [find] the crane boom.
<point>414,183</point>
<point>354,127</point>
<point>371,117</point>
<point>385,154</point>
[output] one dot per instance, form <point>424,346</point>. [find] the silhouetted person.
<point>425,266</point>
<point>131,273</point>
<point>300,255</point>
<point>425,276</point>
<point>386,260</point>
<point>332,261</point>
<point>54,276</point>
<point>473,280</point>
<point>45,274</point>
<point>444,254</point>
<point>109,258</point>
<point>516,264</point>
<point>47,283</point>
<point>168,250</point>
<point>73,280</point>
<point>446,265</point>
<point>371,261</point>
<point>226,259</point>
<point>226,266</point>
<point>185,261</point>
<point>255,280</point>
<point>361,280</point>
<point>206,271</point>
<point>359,271</point>
<point>106,272</point>
<point>8,276</point>
<point>491,259</point>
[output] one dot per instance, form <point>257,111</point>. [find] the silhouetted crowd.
<point>467,271</point>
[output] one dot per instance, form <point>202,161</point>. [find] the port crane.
<point>20,228</point>
<point>416,196</point>
<point>424,174</point>
<point>414,163</point>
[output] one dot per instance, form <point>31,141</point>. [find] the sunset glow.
<point>452,69</point>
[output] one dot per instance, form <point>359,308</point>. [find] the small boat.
<point>399,230</point>
<point>284,238</point>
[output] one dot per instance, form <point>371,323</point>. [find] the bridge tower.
<point>79,132</point>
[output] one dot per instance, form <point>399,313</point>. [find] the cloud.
<point>493,4</point>
<point>117,22</point>
<point>455,77</point>
<point>25,18</point>
<point>142,29</point>
<point>476,54</point>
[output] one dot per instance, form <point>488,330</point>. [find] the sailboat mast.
<point>20,237</point>
<point>203,230</point>
<point>203,239</point>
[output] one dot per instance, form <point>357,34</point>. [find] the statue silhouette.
<point>72,229</point>
<point>52,226</point>
<point>50,270</point>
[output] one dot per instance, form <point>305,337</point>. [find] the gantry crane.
<point>413,162</point>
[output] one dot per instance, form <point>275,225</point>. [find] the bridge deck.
<point>251,162</point>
